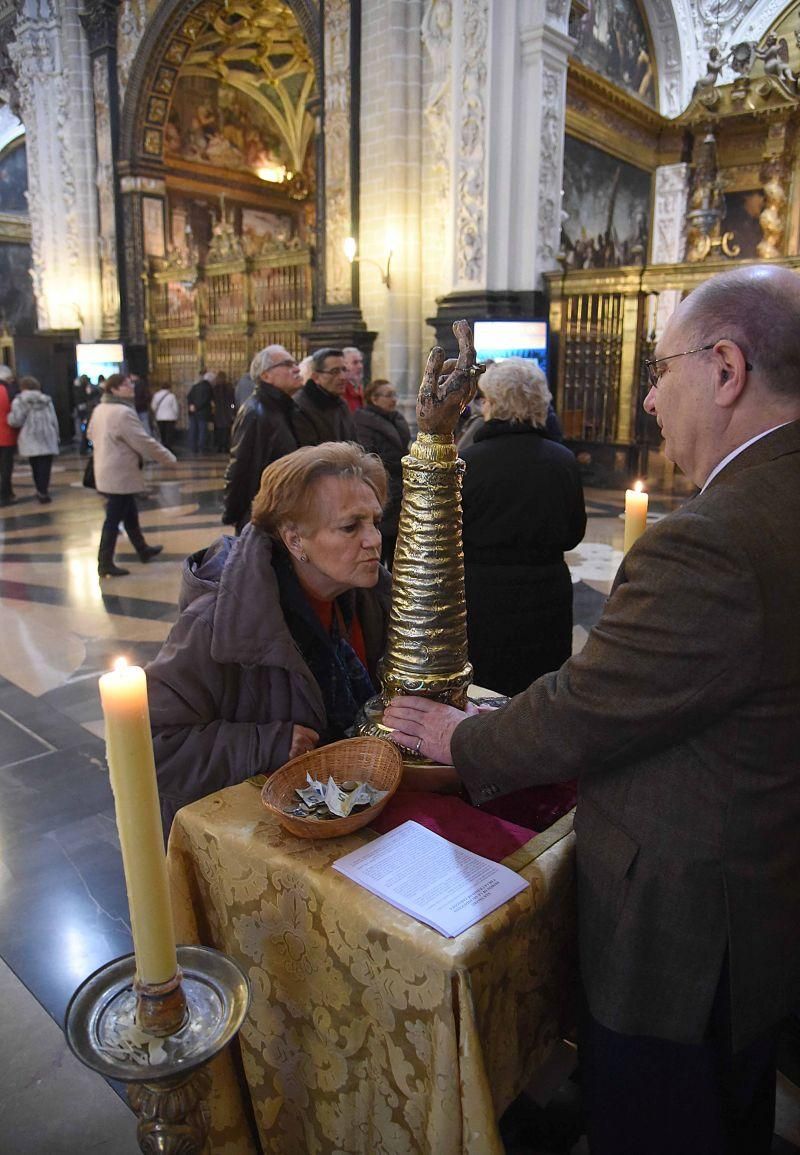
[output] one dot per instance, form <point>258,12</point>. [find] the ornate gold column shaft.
<point>426,649</point>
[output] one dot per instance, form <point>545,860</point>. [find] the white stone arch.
<point>755,22</point>
<point>11,128</point>
<point>675,48</point>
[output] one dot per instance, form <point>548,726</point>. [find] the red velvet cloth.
<point>492,835</point>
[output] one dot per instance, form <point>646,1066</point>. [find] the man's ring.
<point>419,743</point>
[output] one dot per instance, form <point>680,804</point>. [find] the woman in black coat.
<point>523,507</point>
<point>382,430</point>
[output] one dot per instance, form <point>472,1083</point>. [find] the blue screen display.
<point>496,340</point>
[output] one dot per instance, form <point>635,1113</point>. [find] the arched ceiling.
<point>255,46</point>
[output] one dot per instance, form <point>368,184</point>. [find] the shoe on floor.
<point>149,551</point>
<point>112,571</point>
<point>44,498</point>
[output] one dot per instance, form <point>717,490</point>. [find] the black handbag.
<point>88,474</point>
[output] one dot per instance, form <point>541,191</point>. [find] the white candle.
<point>635,514</point>
<point>129,749</point>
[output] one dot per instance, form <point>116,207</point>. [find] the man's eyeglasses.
<point>280,364</point>
<point>653,374</point>
<point>337,369</point>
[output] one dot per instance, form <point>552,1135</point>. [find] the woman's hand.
<point>424,726</point>
<point>303,740</point>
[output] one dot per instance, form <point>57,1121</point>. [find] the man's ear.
<point>733,371</point>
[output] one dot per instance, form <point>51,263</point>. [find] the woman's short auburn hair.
<point>287,492</point>
<point>516,390</point>
<point>373,387</point>
<point>29,383</point>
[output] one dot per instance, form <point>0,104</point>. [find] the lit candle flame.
<point>120,664</point>
<point>638,486</point>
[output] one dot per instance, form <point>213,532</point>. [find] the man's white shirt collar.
<point>735,453</point>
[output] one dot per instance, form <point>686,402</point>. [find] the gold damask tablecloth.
<point>368,1033</point>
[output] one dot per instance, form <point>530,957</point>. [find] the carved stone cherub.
<point>775,54</point>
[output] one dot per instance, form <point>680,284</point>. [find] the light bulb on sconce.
<point>350,250</point>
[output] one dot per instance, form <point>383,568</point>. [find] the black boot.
<point>136,538</point>
<point>105,555</point>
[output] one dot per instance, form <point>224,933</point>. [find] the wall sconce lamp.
<point>350,249</point>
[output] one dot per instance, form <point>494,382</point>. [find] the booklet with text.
<point>429,878</point>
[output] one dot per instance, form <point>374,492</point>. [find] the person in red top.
<point>354,378</point>
<point>8,436</point>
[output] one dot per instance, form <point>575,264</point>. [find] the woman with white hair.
<point>523,507</point>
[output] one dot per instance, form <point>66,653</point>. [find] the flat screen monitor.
<point>102,357</point>
<point>496,340</point>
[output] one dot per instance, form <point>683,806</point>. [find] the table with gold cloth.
<point>369,1032</point>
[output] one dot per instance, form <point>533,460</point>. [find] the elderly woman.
<point>280,629</point>
<point>383,430</point>
<point>33,413</point>
<point>523,507</point>
<point>121,448</point>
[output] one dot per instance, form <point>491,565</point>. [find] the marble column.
<point>100,22</point>
<point>669,233</point>
<point>506,82</point>
<point>338,319</point>
<point>55,97</point>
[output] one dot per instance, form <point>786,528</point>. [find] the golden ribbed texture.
<point>426,650</point>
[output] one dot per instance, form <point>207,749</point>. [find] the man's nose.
<point>649,402</point>
<point>372,537</point>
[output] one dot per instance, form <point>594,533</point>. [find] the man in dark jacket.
<point>323,414</point>
<point>263,431</point>
<point>200,400</point>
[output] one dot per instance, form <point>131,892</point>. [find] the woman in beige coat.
<point>121,447</point>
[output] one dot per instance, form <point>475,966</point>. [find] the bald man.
<point>681,721</point>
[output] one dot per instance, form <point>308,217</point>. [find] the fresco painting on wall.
<point>612,40</point>
<point>258,227</point>
<point>742,210</point>
<point>607,207</point>
<point>14,181</point>
<point>214,124</point>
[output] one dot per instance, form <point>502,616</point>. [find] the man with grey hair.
<point>322,412</point>
<point>680,719</point>
<point>354,378</point>
<point>263,431</point>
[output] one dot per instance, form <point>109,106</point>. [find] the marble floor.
<point>63,911</point>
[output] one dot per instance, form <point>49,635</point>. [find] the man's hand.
<point>303,740</point>
<point>448,386</point>
<point>424,726</point>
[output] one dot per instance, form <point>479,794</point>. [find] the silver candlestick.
<point>157,1039</point>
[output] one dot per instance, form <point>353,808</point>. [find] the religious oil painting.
<point>606,209</point>
<point>213,123</point>
<point>742,212</point>
<point>14,180</point>
<point>612,40</point>
<point>17,307</point>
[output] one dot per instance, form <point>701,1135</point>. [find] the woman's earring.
<point>303,556</point>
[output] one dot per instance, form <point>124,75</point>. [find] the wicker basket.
<point>373,760</point>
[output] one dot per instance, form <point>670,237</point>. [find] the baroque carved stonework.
<point>107,227</point>
<point>132,20</point>
<point>437,29</point>
<point>550,163</point>
<point>338,222</point>
<point>669,213</point>
<point>470,222</point>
